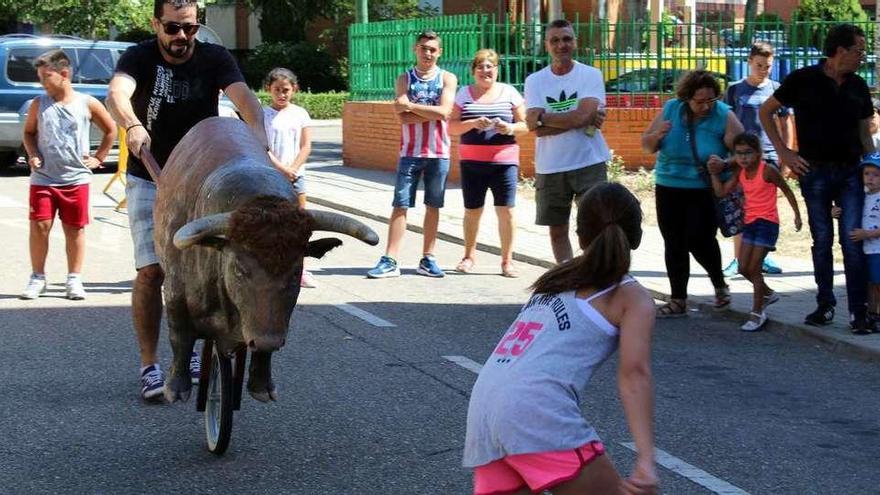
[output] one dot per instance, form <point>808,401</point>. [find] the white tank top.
<point>527,397</point>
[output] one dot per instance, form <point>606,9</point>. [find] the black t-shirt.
<point>170,99</point>
<point>826,115</point>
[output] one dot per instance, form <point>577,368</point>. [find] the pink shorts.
<point>540,471</point>
<point>70,202</point>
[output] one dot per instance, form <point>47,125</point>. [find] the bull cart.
<point>222,377</point>
<point>219,394</point>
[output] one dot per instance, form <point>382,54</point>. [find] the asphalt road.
<point>368,409</point>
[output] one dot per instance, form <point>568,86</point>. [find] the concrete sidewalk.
<point>368,193</point>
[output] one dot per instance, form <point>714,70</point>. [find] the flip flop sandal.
<point>675,308</point>
<point>722,299</point>
<point>509,271</point>
<point>466,265</point>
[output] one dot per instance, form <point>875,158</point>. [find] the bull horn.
<point>334,222</point>
<point>199,229</point>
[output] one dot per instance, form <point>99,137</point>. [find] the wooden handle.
<point>150,164</point>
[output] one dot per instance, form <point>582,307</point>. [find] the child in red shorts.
<point>56,139</point>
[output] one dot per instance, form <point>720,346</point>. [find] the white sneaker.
<point>36,286</point>
<point>75,289</point>
<point>308,280</point>
<point>753,325</point>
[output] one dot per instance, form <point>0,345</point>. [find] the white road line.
<point>10,202</point>
<point>693,473</point>
<point>465,363</point>
<point>365,315</point>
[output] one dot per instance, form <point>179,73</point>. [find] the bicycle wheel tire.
<point>219,405</point>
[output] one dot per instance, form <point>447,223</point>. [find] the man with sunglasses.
<point>161,89</point>
<point>833,112</point>
<point>563,102</point>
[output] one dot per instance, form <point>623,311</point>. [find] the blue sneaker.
<point>152,383</point>
<point>386,268</point>
<point>429,268</point>
<point>732,269</point>
<point>769,266</point>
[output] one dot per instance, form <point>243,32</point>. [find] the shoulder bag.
<point>728,209</point>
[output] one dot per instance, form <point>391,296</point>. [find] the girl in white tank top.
<point>525,430</point>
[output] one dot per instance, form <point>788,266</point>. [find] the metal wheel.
<point>219,405</point>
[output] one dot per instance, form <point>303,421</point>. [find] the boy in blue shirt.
<point>745,98</point>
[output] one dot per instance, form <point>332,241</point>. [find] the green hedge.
<point>319,105</point>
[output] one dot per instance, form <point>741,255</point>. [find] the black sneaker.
<point>859,325</point>
<point>822,316</point>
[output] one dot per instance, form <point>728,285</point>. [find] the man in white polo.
<point>563,102</point>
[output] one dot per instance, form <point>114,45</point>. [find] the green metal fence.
<point>640,60</point>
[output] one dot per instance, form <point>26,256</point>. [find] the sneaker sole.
<point>395,273</point>
<point>422,271</point>
<point>157,395</point>
<point>76,298</point>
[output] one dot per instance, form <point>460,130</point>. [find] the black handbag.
<point>729,208</point>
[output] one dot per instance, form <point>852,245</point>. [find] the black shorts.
<point>479,177</point>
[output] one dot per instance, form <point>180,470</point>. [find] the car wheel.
<point>8,158</point>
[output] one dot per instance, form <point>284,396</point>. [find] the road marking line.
<point>693,473</point>
<point>465,363</point>
<point>10,202</point>
<point>365,315</point>
<point>663,458</point>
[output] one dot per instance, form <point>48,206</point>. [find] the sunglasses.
<point>173,28</point>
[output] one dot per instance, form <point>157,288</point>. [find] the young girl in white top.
<point>290,140</point>
<point>525,430</point>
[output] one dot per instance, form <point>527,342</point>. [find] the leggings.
<point>686,218</point>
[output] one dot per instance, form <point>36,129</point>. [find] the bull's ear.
<point>317,249</point>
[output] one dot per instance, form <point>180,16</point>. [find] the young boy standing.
<point>745,98</point>
<point>869,236</point>
<point>56,139</point>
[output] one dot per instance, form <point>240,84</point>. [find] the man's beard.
<point>178,50</point>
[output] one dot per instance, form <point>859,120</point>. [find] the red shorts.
<point>71,203</point>
<point>540,471</point>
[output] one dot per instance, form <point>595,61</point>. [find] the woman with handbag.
<point>690,129</point>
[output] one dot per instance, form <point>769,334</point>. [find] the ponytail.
<point>606,259</point>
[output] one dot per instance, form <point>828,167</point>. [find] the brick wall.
<point>371,138</point>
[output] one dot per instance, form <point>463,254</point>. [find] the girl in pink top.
<point>761,230</point>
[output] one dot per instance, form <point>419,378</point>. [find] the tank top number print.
<point>517,340</point>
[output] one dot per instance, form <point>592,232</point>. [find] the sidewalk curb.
<point>818,335</point>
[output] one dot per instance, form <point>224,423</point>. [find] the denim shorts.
<point>410,170</point>
<point>140,196</point>
<point>762,233</point>
<point>299,185</point>
<point>479,177</point>
<point>873,261</point>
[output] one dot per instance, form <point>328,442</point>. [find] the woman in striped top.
<point>488,115</point>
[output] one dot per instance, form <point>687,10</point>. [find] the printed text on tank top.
<point>522,333</point>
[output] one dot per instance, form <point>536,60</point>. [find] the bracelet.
<point>132,126</point>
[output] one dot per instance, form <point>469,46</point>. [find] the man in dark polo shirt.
<point>832,110</point>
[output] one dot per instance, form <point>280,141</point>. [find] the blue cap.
<point>872,159</point>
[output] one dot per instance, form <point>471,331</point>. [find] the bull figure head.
<point>262,245</point>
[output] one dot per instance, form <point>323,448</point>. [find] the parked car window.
<point>20,65</point>
<point>95,66</point>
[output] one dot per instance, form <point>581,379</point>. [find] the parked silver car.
<point>93,64</point>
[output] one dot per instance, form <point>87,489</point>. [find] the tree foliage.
<point>287,20</point>
<point>831,10</point>
<point>89,18</point>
